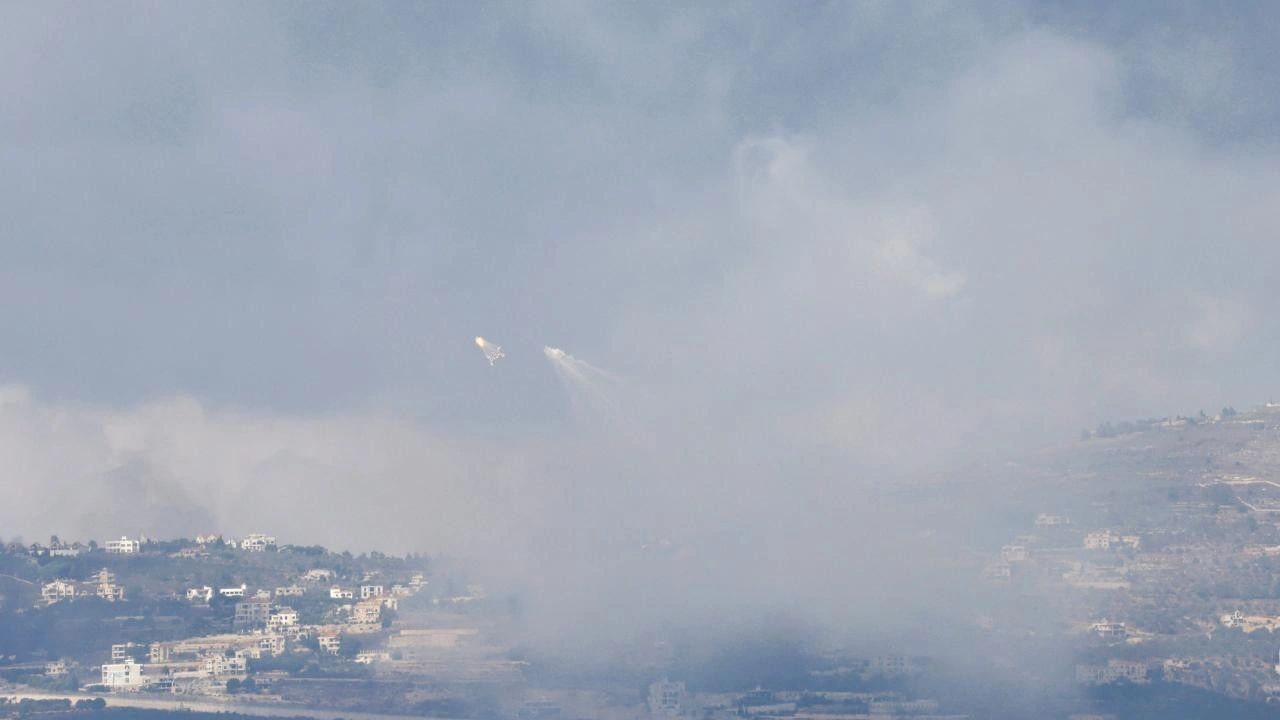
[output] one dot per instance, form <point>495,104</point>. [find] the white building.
<point>290,591</point>
<point>221,665</point>
<point>1013,553</point>
<point>1098,540</point>
<point>337,593</point>
<point>58,590</point>
<point>257,542</point>
<point>110,592</point>
<point>1106,629</point>
<point>368,591</point>
<point>283,618</point>
<point>123,546</point>
<point>330,643</point>
<point>200,594</point>
<point>122,676</point>
<point>232,591</point>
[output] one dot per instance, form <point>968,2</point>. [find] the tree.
<point>233,685</point>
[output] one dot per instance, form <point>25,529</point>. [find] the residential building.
<point>1047,520</point>
<point>122,651</point>
<point>57,668</point>
<point>338,593</point>
<point>330,643</point>
<point>232,591</point>
<point>367,611</point>
<point>110,592</point>
<point>283,618</point>
<point>158,653</point>
<point>317,575</point>
<point>1013,553</point>
<point>368,591</point>
<point>252,613</point>
<point>123,546</point>
<point>222,665</point>
<point>1114,630</point>
<point>123,676</point>
<point>271,644</point>
<point>1114,671</point>
<point>667,699</point>
<point>200,594</point>
<point>1098,540</point>
<point>290,591</point>
<point>257,542</point>
<point>57,590</point>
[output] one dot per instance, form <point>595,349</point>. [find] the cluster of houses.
<point>102,585</point>
<point>263,624</point>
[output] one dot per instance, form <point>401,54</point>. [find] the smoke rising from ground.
<point>821,249</point>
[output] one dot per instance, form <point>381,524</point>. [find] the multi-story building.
<point>330,643</point>
<point>283,618</point>
<point>123,546</point>
<point>339,593</point>
<point>368,591</point>
<point>290,591</point>
<point>57,590</point>
<point>232,591</point>
<point>257,542</point>
<point>123,676</point>
<point>252,613</point>
<point>666,698</point>
<point>222,665</point>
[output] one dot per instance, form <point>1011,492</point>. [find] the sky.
<point>819,249</point>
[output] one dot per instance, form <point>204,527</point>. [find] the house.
<point>370,657</point>
<point>270,644</point>
<point>1047,520</point>
<point>57,590</point>
<point>337,593</point>
<point>1099,540</point>
<point>123,676</point>
<point>283,618</point>
<point>190,553</point>
<point>123,546</point>
<point>368,591</point>
<point>57,668</point>
<point>1234,620</point>
<point>222,665</point>
<point>210,539</point>
<point>110,592</point>
<point>290,591</point>
<point>317,575</point>
<point>1114,671</point>
<point>232,591</point>
<point>1013,553</point>
<point>257,542</point>
<point>200,594</point>
<point>367,611</point>
<point>122,651</point>
<point>1110,630</point>
<point>330,643</point>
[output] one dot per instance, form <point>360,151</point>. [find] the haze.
<point>823,249</point>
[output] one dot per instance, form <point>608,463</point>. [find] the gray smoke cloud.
<point>824,249</point>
